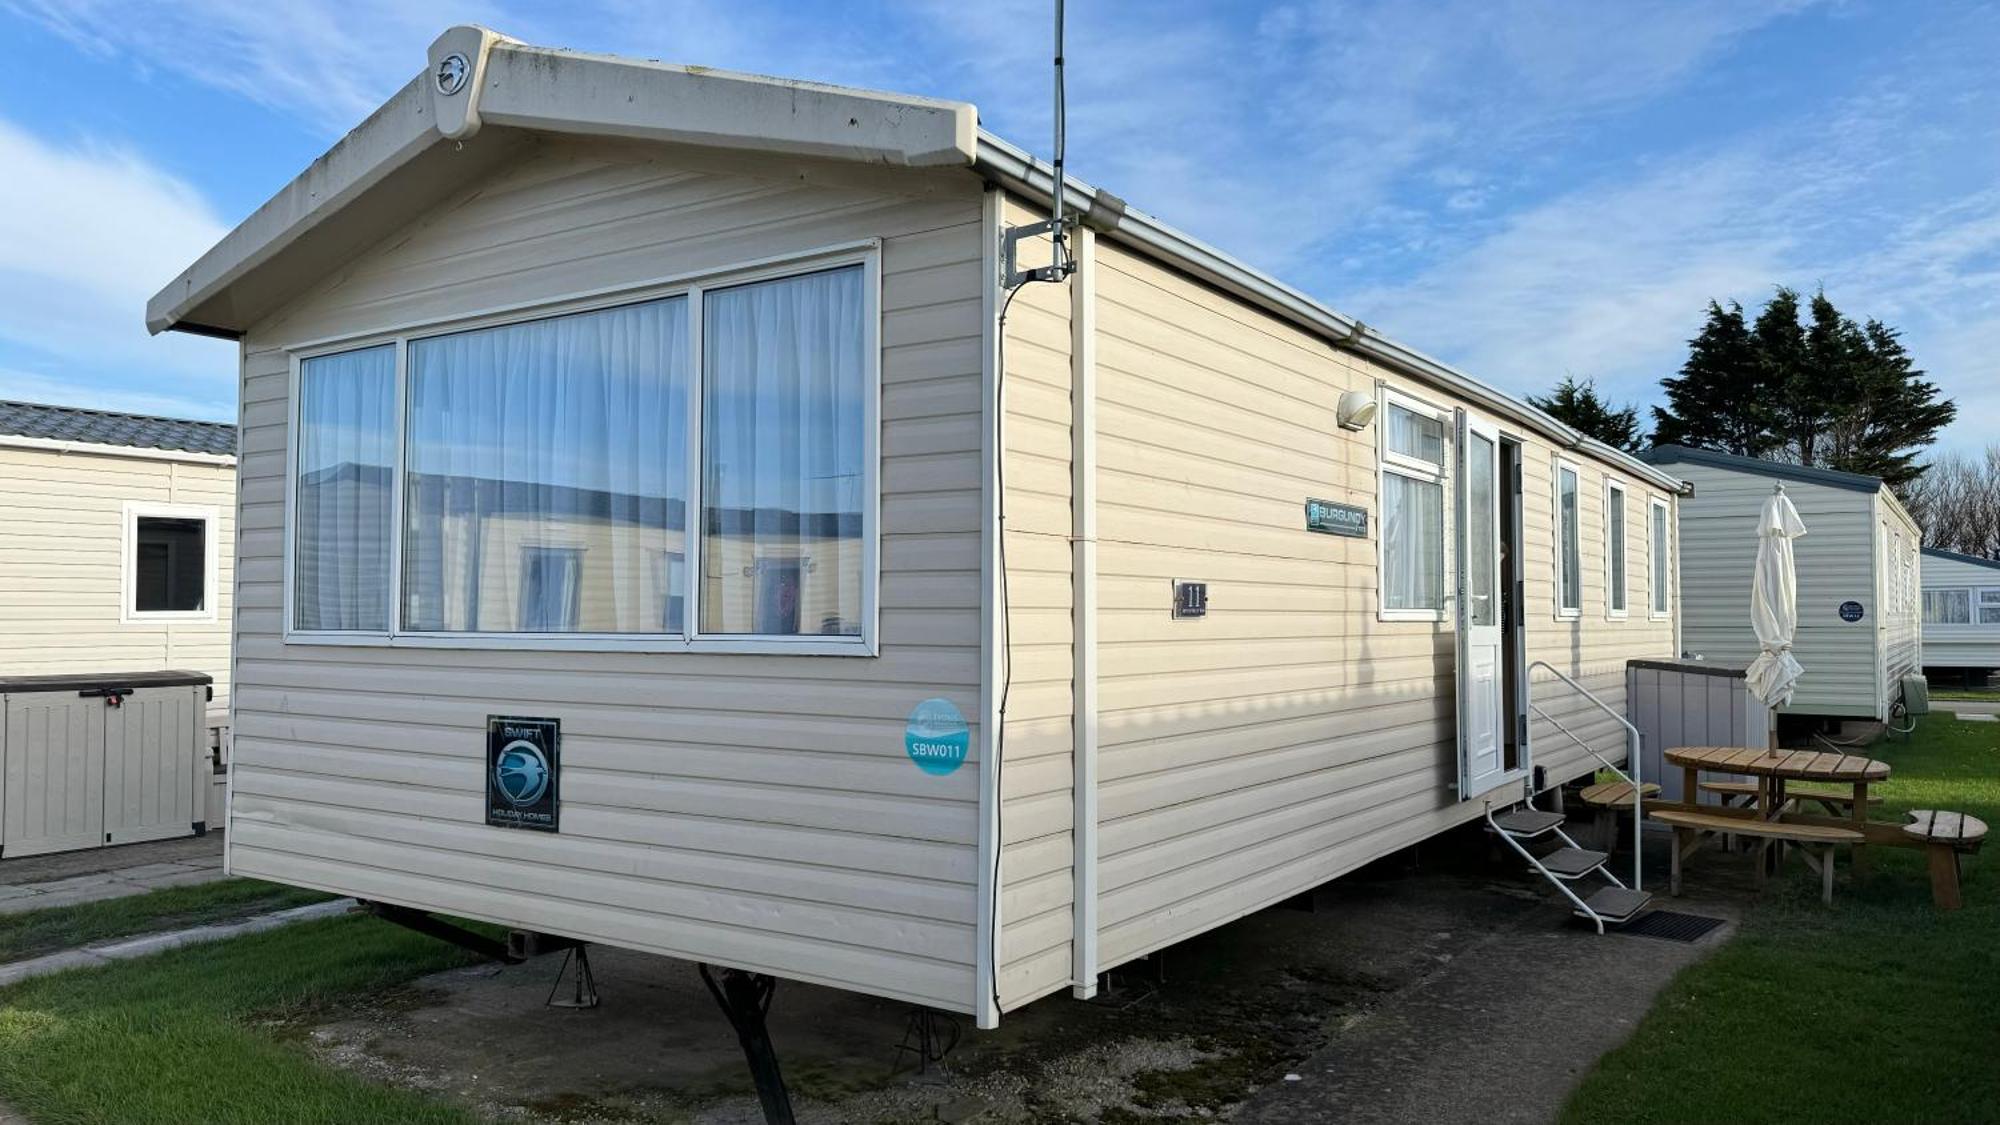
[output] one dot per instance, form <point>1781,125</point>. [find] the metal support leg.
<point>745,998</point>
<point>586,981</point>
<point>930,1035</point>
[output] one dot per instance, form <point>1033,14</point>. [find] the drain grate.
<point>1670,925</point>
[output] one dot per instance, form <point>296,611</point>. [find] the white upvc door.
<point>1481,738</point>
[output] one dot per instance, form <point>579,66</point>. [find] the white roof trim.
<point>537,88</point>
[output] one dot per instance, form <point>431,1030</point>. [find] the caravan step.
<point>1524,824</point>
<point>1617,904</point>
<point>1572,863</point>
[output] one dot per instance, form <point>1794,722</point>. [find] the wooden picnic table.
<point>1773,768</point>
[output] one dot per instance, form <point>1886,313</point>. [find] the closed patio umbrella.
<point>1774,611</point>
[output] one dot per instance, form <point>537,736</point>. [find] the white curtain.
<point>783,443</point>
<point>346,453</point>
<point>1412,543</point>
<point>564,434</point>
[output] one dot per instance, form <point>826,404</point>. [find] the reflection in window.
<point>569,429</point>
<point>346,454</point>
<point>551,589</point>
<point>783,455</point>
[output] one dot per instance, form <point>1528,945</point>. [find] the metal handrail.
<point>1631,756</point>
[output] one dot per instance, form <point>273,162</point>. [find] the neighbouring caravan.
<point>626,453</point>
<point>1858,632</point>
<point>115,581</point>
<point>1961,611</point>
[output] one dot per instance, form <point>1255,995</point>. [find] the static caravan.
<point>115,580</point>
<point>1858,633</point>
<point>1961,611</point>
<point>683,510</point>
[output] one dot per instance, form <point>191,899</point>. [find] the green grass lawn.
<point>1878,1009</point>
<point>35,932</point>
<point>198,1034</point>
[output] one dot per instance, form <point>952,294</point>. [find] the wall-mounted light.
<point>1356,410</point>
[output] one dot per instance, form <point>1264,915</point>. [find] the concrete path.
<point>1499,1032</point>
<point>1967,708</point>
<point>39,882</point>
<point>124,949</point>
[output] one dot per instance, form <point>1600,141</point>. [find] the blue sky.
<point>1525,189</point>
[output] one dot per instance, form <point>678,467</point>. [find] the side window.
<point>1948,607</point>
<point>1412,502</point>
<point>1662,558</point>
<point>1614,548</point>
<point>170,563</point>
<point>1569,542</point>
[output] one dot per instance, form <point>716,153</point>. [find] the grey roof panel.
<point>109,427</point>
<point>1956,556</point>
<point>1832,478</point>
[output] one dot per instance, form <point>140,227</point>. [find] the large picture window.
<point>1569,542</point>
<point>570,431</point>
<point>782,457</point>
<point>1413,460</point>
<point>535,481</point>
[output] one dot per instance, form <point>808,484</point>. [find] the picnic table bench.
<point>1608,797</point>
<point>1690,826</point>
<point>1945,836</point>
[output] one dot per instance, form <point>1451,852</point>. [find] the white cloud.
<point>87,233</point>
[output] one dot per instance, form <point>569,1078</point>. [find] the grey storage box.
<point>1691,703</point>
<point>87,761</point>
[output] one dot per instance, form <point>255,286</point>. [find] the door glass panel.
<point>1482,552</point>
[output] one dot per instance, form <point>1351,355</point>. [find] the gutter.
<point>1016,169</point>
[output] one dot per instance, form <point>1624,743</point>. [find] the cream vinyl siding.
<point>1290,736</point>
<point>1900,581</point>
<point>1845,673</point>
<point>750,810</point>
<point>1037,766</point>
<point>61,560</point>
<point>1971,645</point>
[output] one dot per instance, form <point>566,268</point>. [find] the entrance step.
<point>1572,863</point>
<point>1525,824</point>
<point>1617,904</point>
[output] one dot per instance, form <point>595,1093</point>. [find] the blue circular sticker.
<point>1850,611</point>
<point>936,737</point>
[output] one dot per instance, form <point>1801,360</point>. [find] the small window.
<point>1662,547</point>
<point>1569,543</point>
<point>1412,544</point>
<point>1989,607</point>
<point>170,563</point>
<point>1947,607</point>
<point>1614,548</point>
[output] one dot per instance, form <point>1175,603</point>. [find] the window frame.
<point>1979,604</point>
<point>1565,465</point>
<point>1418,469</point>
<point>128,563</point>
<point>1657,552</point>
<point>1616,493</point>
<point>866,253</point>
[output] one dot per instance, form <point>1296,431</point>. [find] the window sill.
<point>166,617</point>
<point>1433,617</point>
<point>1569,615</point>
<point>519,642</point>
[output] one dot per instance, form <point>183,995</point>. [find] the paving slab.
<point>124,949</point>
<point>1974,716</point>
<point>74,878</point>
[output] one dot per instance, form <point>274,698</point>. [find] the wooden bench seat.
<point>1615,793</point>
<point>1690,826</point>
<point>1945,835</point>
